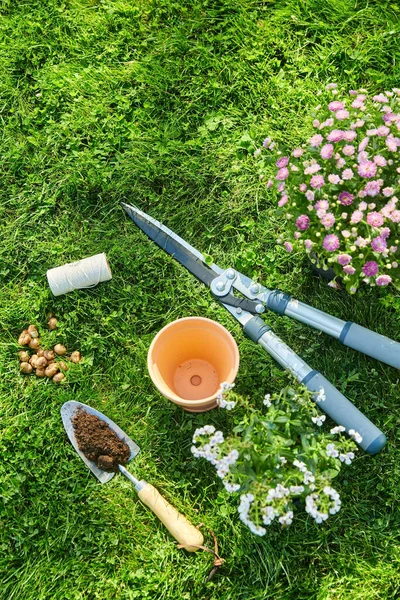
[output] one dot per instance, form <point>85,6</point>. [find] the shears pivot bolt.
<point>220,286</point>
<point>260,308</point>
<point>230,274</point>
<point>254,288</point>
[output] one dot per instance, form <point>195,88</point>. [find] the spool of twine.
<point>85,273</point>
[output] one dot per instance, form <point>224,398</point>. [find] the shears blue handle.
<point>348,333</point>
<point>334,404</point>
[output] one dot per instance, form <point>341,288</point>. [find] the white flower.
<point>318,420</point>
<point>347,458</point>
<point>217,438</point>
<point>283,460</point>
<point>206,430</point>
<point>321,396</point>
<point>287,518</point>
<point>338,429</point>
<point>331,451</point>
<point>355,435</point>
<point>267,400</point>
<point>231,487</point>
<point>300,465</point>
<point>308,477</point>
<point>269,514</point>
<point>226,387</point>
<point>296,489</point>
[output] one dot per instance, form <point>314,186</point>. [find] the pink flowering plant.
<point>340,190</point>
<point>278,458</point>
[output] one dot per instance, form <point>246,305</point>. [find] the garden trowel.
<point>183,531</point>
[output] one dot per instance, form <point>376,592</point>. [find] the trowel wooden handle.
<point>183,531</point>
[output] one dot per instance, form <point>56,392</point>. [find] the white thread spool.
<point>85,273</point>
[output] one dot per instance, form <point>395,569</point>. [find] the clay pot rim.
<point>175,398</point>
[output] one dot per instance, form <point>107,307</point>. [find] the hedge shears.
<point>256,300</point>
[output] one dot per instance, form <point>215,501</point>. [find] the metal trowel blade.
<point>68,411</point>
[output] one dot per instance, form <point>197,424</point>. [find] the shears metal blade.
<point>247,310</point>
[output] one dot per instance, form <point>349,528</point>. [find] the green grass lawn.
<point>146,101</point>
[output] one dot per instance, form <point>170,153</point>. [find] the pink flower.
<point>349,136</point>
<point>388,191</point>
<point>302,187</point>
<point>379,244</point>
<point>357,103</point>
<point>312,169</point>
<point>362,157</point>
<point>380,160</point>
<point>322,205</point>
<point>297,235</point>
<point>282,174</point>
<point>371,268</point>
<point>357,124</point>
<point>391,143</point>
<point>348,150</point>
<point>331,86</point>
<point>282,161</point>
<point>316,140</point>
<point>367,169</point>
<point>331,242</point>
<point>341,115</point>
<point>346,234</point>
<point>270,183</point>
<point>356,217</point>
<point>363,144</point>
<point>383,280</point>
<point>343,259</point>
<point>363,206</point>
<point>385,232</point>
<point>347,174</point>
<point>375,219</point>
<point>328,220</point>
<point>335,106</point>
<point>303,222</point>
<point>316,123</point>
<point>328,123</point>
<point>346,198</point>
<point>308,244</point>
<point>361,242</point>
<point>340,163</point>
<point>335,135</point>
<point>380,98</point>
<point>266,142</point>
<point>332,178</point>
<point>317,181</point>
<point>326,151</point>
<point>297,152</point>
<point>361,97</point>
<point>372,188</point>
<point>395,216</point>
<point>349,270</point>
<point>309,195</point>
<point>383,131</point>
<point>372,132</point>
<point>288,246</point>
<point>283,200</point>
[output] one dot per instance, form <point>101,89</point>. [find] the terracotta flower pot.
<point>189,359</point>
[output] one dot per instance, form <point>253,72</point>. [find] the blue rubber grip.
<point>343,412</point>
<point>371,343</point>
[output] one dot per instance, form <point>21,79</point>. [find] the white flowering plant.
<point>279,457</point>
<point>340,190</point>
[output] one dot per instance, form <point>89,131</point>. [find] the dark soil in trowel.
<point>99,442</point>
